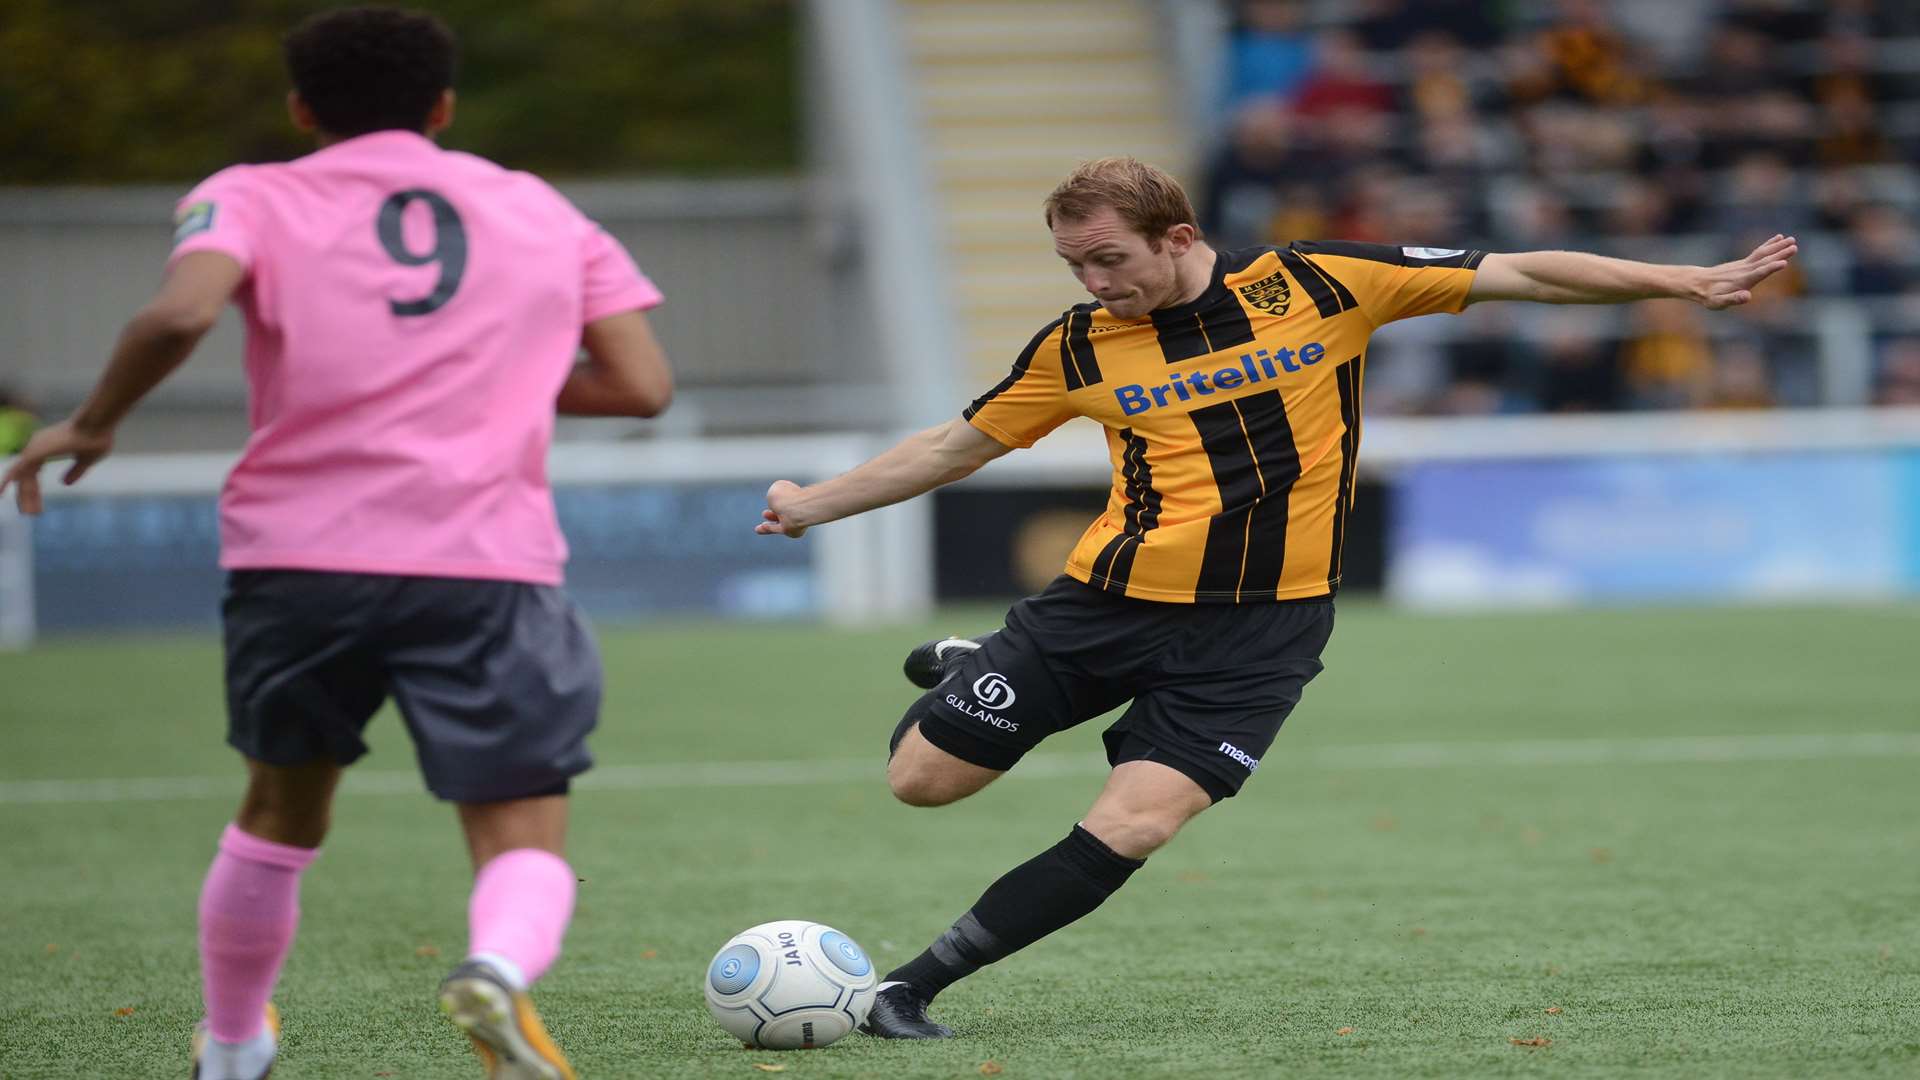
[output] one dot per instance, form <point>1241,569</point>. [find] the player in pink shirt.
<point>413,317</point>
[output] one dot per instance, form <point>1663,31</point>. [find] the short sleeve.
<point>1031,401</point>
<point>1395,282</point>
<point>217,215</point>
<point>611,282</point>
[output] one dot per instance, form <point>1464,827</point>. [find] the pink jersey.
<point>411,315</point>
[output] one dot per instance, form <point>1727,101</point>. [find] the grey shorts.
<point>498,681</point>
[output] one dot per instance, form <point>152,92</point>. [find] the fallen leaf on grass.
<point>1601,855</point>
<point>1553,1010</point>
<point>124,1010</point>
<point>1344,1031</point>
<point>991,1068</point>
<point>1537,1040</point>
<point>427,951</point>
<point>763,1067</point>
<point>650,954</point>
<point>1419,931</point>
<point>1383,823</point>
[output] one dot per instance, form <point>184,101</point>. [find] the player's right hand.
<point>61,440</point>
<point>778,517</point>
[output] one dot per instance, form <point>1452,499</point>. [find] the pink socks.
<point>522,902</point>
<point>249,909</point>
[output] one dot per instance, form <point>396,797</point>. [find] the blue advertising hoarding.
<point>151,562</point>
<point>1755,526</point>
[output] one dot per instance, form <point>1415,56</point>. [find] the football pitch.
<point>1672,843</point>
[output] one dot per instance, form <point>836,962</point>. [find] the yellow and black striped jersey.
<point>1233,420</point>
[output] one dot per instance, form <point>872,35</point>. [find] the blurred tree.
<point>96,91</point>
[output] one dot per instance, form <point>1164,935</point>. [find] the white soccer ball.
<point>790,985</point>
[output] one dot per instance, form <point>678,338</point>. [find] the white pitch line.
<point>1661,750</point>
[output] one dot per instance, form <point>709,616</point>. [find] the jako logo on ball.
<point>790,985</point>
<point>993,691</point>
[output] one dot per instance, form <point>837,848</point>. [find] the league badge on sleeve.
<point>192,218</point>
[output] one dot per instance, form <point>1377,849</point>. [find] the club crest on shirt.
<point>192,218</point>
<point>1270,294</point>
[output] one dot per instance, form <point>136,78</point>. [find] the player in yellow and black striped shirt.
<point>1232,419</point>
<point>1230,386</point>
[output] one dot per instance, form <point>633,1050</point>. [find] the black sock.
<point>1032,900</point>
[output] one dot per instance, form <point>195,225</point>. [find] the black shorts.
<point>498,681</point>
<point>1210,683</point>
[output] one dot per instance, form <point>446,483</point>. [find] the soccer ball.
<point>790,985</point>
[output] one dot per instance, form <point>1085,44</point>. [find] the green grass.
<point>1748,918</point>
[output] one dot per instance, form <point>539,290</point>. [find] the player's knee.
<point>282,823</point>
<point>1134,834</point>
<point>919,785</point>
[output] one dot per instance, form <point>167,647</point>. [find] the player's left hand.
<point>778,518</point>
<point>61,440</point>
<point>1731,283</point>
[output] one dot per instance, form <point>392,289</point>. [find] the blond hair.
<point>1147,199</point>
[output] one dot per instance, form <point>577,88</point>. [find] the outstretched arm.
<point>918,464</point>
<point>158,338</point>
<point>1571,277</point>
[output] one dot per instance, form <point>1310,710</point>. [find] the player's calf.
<point>1142,806</point>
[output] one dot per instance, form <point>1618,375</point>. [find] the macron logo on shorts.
<point>1240,756</point>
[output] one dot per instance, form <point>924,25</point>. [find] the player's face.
<point>1129,275</point>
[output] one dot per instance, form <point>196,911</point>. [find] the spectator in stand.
<point>1581,56</point>
<point>1849,132</point>
<point>1368,208</point>
<point>1340,83</point>
<point>1389,25</point>
<point>1742,378</point>
<point>1270,51</point>
<point>1533,217</point>
<point>1243,193</point>
<point>1737,69</point>
<point>1883,255</point>
<point>1838,195</point>
<point>1575,373</point>
<point>1899,378</point>
<point>1643,208</point>
<point>1666,360</point>
<point>1586,123</point>
<point>1762,189</point>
